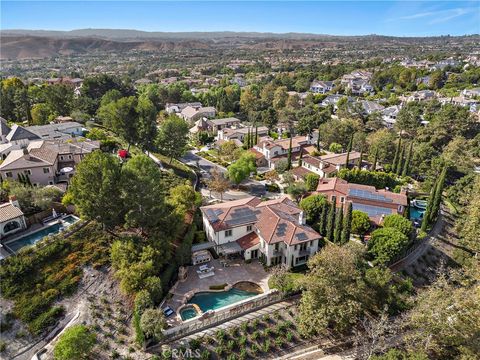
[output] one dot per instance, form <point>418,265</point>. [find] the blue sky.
<point>399,18</point>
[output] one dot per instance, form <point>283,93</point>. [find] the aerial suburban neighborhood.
<point>240,195</point>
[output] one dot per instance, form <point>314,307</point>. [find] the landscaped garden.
<point>257,338</point>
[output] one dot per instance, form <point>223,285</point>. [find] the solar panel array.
<point>212,214</point>
<point>243,216</point>
<point>372,210</point>
<point>281,229</point>
<point>363,194</point>
<point>301,236</point>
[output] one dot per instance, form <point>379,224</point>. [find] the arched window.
<point>10,226</point>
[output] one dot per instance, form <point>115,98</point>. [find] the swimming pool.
<point>188,313</point>
<point>33,238</point>
<point>215,300</point>
<point>416,213</point>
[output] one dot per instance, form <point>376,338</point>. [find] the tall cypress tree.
<point>338,226</point>
<point>406,166</point>
<point>349,149</point>
<point>256,136</point>
<point>398,170</point>
<point>375,157</point>
<point>300,157</point>
<point>289,158</point>
<point>322,223</point>
<point>397,153</point>
<point>438,194</point>
<point>427,216</point>
<point>331,220</point>
<point>360,159</point>
<point>347,224</point>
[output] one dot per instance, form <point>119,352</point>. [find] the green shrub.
<point>205,355</point>
<point>3,346</point>
<point>399,222</point>
<point>45,320</point>
<point>220,334</point>
<point>195,344</point>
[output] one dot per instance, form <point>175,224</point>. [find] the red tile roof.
<point>249,240</point>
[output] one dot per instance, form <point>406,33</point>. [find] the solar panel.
<point>301,236</point>
<point>281,228</point>
<point>372,210</point>
<point>243,216</point>
<point>363,194</point>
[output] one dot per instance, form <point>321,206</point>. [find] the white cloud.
<point>438,16</point>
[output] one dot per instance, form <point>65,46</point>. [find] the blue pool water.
<point>215,300</point>
<point>35,237</point>
<point>188,313</point>
<point>416,213</point>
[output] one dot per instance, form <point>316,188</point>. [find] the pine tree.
<point>338,226</point>
<point>374,166</point>
<point>347,224</point>
<point>331,220</point>
<point>289,158</point>
<point>398,170</point>
<point>406,166</point>
<point>397,153</point>
<point>322,223</point>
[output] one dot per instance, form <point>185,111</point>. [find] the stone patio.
<point>237,270</point>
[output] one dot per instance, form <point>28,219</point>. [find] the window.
<point>69,156</point>
<point>9,174</point>
<point>61,157</point>
<point>301,259</point>
<point>28,172</point>
<point>342,199</point>
<point>46,170</point>
<point>50,183</point>
<point>228,233</point>
<point>249,227</point>
<point>295,247</point>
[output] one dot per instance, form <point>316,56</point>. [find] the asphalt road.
<point>255,188</point>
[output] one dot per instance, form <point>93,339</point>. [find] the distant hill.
<point>126,34</point>
<point>24,44</point>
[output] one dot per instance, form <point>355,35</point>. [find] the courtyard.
<point>232,272</point>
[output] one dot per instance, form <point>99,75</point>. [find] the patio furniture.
<point>168,311</point>
<point>205,275</point>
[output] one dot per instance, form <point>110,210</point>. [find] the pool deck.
<point>237,271</point>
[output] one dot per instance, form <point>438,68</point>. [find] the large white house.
<point>272,230</point>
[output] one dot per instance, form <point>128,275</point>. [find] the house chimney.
<point>13,200</point>
<point>301,218</point>
<point>25,153</point>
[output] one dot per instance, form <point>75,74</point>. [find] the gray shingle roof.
<point>20,133</point>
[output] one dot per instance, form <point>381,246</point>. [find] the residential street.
<point>256,188</point>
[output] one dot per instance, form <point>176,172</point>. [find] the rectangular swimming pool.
<point>33,238</point>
